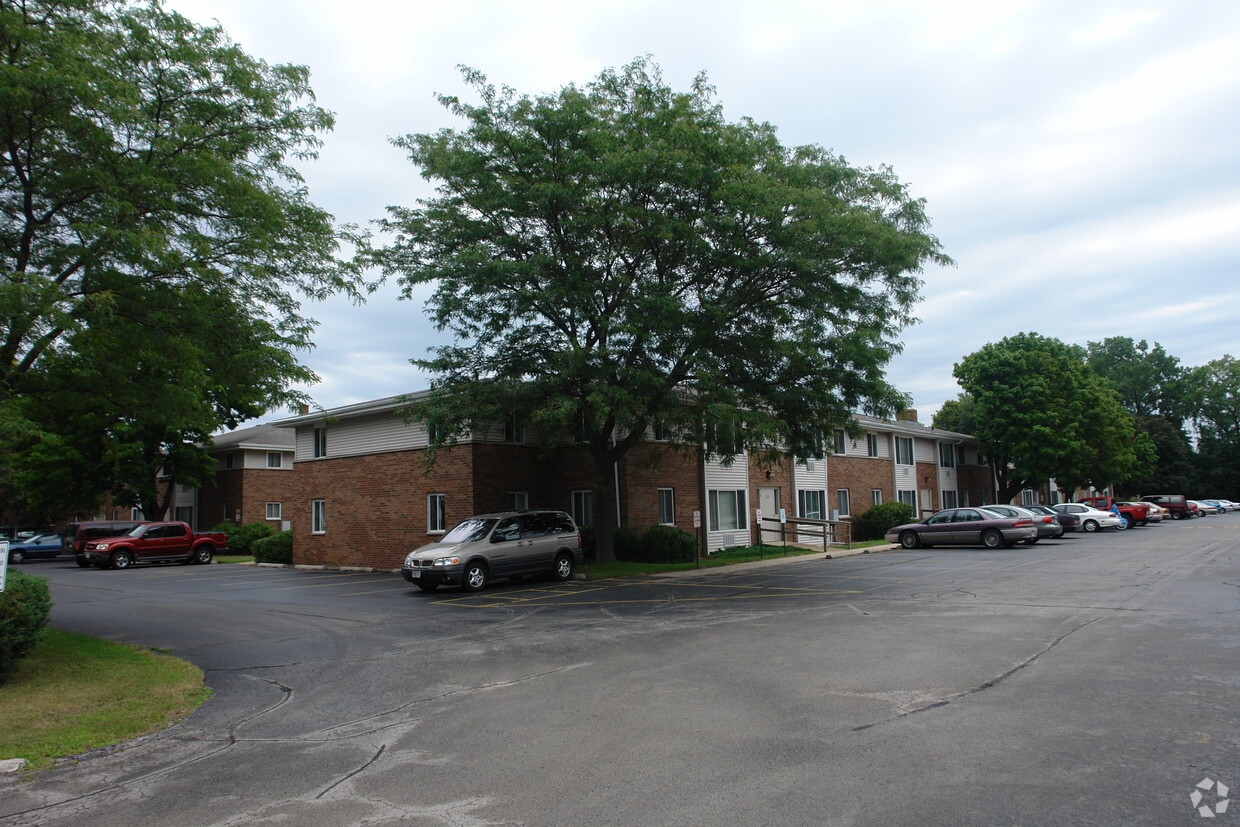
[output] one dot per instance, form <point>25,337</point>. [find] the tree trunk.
<point>604,503</point>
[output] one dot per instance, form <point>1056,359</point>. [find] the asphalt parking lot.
<point>1088,680</point>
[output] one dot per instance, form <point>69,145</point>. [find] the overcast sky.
<point>1080,159</point>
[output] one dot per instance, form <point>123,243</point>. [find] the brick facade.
<point>860,475</point>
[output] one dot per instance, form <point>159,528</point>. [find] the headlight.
<point>448,561</point>
<point>102,547</point>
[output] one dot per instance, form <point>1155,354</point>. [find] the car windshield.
<point>136,531</point>
<point>468,531</point>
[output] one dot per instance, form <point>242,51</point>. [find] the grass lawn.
<point>74,693</point>
<point>727,557</point>
<point>234,558</point>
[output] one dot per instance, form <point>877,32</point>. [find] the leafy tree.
<point>137,148</point>
<point>608,253</point>
<point>1041,413</point>
<point>1215,389</point>
<point>125,408</point>
<point>958,415</point>
<point>1149,381</point>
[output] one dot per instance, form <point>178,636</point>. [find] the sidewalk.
<point>769,563</point>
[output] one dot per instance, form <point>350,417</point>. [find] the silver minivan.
<point>506,544</point>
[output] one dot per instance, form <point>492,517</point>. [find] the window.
<point>184,513</point>
<point>228,512</point>
<point>909,498</point>
<point>964,499</point>
<point>876,496</point>
<point>960,455</point>
<point>136,514</point>
<point>667,506</point>
<point>1026,497</point>
<point>228,460</point>
<point>904,450</point>
<point>949,499</point>
<point>839,440</point>
<point>947,455</point>
<point>514,428</point>
<point>435,513</point>
<point>275,459</point>
<point>320,442</point>
<point>583,507</point>
<point>727,510</point>
<point>841,501</point>
<point>871,445</point>
<point>810,503</point>
<point>318,516</point>
<point>518,500</point>
<point>274,511</point>
<point>658,429</point>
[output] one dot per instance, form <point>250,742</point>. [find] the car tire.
<point>202,555</point>
<point>1123,525</point>
<point>910,540</point>
<point>563,568</point>
<point>120,560</point>
<point>474,578</point>
<point>992,539</point>
<point>82,564</point>
<point>17,556</point>
<point>1143,522</point>
<point>1090,526</point>
<point>426,587</point>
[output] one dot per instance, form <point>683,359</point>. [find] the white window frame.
<point>514,429</point>
<point>583,507</point>
<point>811,503</point>
<point>907,497</point>
<point>843,502</point>
<point>436,513</point>
<point>667,506</point>
<point>275,459</point>
<point>900,454</point>
<point>739,503</point>
<point>318,516</point>
<point>841,441</point>
<point>518,500</point>
<point>275,513</point>
<point>320,443</point>
<point>876,496</point>
<point>871,445</point>
<point>950,499</point>
<point>947,456</point>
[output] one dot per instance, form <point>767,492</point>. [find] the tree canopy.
<point>605,253</point>
<point>1040,413</point>
<point>141,157</point>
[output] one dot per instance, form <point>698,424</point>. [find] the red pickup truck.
<point>1133,513</point>
<point>152,543</point>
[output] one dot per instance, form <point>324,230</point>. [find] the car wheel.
<point>17,556</point>
<point>992,538</point>
<point>203,555</point>
<point>1123,525</point>
<point>121,560</point>
<point>82,564</point>
<point>1143,522</point>
<point>1090,525</point>
<point>426,587</point>
<point>909,539</point>
<point>563,568</point>
<point>1177,515</point>
<point>475,577</point>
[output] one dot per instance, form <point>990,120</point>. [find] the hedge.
<point>242,537</point>
<point>874,522</point>
<point>25,606</point>
<point>278,548</point>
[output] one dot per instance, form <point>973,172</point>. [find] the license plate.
<point>415,573</point>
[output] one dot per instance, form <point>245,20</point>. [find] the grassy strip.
<point>74,693</point>
<point>234,558</point>
<point>746,554</point>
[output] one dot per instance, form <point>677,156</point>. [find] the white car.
<point>1091,518</point>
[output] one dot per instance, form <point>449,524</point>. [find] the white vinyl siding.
<point>377,434</point>
<point>733,477</point>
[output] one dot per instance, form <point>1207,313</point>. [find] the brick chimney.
<point>907,415</point>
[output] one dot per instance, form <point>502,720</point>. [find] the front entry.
<point>768,504</point>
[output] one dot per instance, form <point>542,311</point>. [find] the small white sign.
<point>697,519</point>
<point>759,517</point>
<point>4,563</point>
<point>783,516</point>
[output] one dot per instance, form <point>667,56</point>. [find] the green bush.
<point>874,522</point>
<point>657,544</point>
<point>25,605</point>
<point>241,537</point>
<point>278,548</point>
<point>628,544</point>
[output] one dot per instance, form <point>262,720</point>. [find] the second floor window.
<point>320,442</point>
<point>904,450</point>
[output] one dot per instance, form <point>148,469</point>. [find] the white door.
<point>768,504</point>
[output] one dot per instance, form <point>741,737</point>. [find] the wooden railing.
<point>804,532</point>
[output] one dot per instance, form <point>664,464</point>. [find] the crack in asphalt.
<point>981,687</point>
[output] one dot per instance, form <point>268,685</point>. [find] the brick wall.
<point>228,489</point>
<point>653,465</point>
<point>931,470</point>
<point>860,475</point>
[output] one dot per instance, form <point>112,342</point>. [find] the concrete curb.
<point>11,765</point>
<point>771,563</point>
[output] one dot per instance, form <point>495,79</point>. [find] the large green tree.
<point>138,148</point>
<point>1215,390</point>
<point>1040,413</point>
<point>619,254</point>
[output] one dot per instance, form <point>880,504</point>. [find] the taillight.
<point>1022,523</point>
<point>1048,519</point>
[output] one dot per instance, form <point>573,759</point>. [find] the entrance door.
<point>768,504</point>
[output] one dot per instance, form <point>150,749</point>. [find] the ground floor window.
<point>949,499</point>
<point>518,500</point>
<point>964,499</point>
<point>436,513</point>
<point>810,503</point>
<point>318,516</point>
<point>909,498</point>
<point>667,506</point>
<point>727,510</point>
<point>583,507</point>
<point>1026,497</point>
<point>876,496</point>
<point>274,511</point>
<point>841,502</point>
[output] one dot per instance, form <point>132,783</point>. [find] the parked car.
<point>76,535</point>
<point>1155,513</point>
<point>1228,504</point>
<point>1206,508</point>
<point>1047,525</point>
<point>1070,522</point>
<point>40,546</point>
<point>505,544</point>
<point>964,526</point>
<point>1177,503</point>
<point>1219,504</point>
<point>1134,513</point>
<point>163,542</point>
<point>1091,518</point>
<point>13,533</point>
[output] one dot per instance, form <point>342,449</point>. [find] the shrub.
<point>25,605</point>
<point>874,522</point>
<point>241,537</point>
<point>657,544</point>
<point>278,548</point>
<point>628,544</point>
